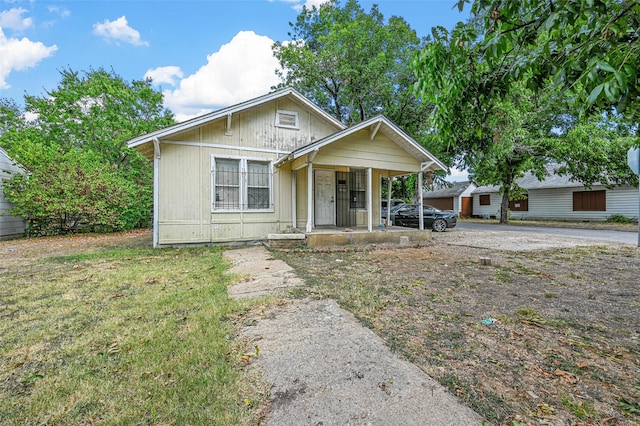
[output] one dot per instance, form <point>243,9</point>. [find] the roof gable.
<point>225,112</point>
<point>376,124</point>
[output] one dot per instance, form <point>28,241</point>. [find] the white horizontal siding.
<point>492,210</point>
<point>9,225</point>
<point>557,204</point>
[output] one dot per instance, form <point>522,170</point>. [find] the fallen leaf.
<point>565,375</point>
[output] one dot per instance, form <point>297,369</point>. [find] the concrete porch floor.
<point>337,236</point>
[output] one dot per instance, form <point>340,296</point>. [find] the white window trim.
<point>287,126</point>
<point>244,184</point>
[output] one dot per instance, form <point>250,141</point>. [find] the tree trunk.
<point>504,207</point>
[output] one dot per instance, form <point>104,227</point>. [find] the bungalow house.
<point>270,165</point>
<point>455,196</point>
<point>10,226</point>
<point>558,198</point>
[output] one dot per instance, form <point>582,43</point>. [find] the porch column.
<point>369,200</point>
<point>294,207</point>
<point>309,196</point>
<point>389,187</point>
<point>420,203</point>
<point>156,192</point>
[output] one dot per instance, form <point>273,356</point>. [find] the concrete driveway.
<point>609,236</point>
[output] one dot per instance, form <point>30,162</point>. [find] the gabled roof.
<point>529,181</point>
<point>454,189</point>
<point>381,124</point>
<point>216,115</point>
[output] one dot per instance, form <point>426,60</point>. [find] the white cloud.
<point>12,19</point>
<point>118,31</point>
<point>166,75</point>
<point>309,4</point>
<point>62,12</point>
<point>19,54</point>
<point>457,175</point>
<point>242,69</point>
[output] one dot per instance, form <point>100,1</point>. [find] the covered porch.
<point>336,182</point>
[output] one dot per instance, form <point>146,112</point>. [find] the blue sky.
<point>203,55</point>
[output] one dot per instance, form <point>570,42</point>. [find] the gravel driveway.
<point>513,240</point>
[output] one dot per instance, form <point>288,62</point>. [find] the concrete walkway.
<point>261,274</point>
<point>326,368</point>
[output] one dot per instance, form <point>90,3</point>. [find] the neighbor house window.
<point>287,119</point>
<point>595,201</point>
<point>241,184</point>
<point>485,200</point>
<point>519,205</point>
<point>358,199</point>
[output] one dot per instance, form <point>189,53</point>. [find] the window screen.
<point>227,184</point>
<point>258,184</point>
<point>242,184</point>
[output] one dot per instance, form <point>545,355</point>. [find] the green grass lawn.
<point>122,336</point>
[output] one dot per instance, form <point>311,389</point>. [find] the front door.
<point>325,198</point>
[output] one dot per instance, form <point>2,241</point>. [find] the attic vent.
<point>288,119</point>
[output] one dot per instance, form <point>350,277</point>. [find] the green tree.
<point>353,64</point>
<point>72,145</point>
<point>502,104</point>
<point>590,48</point>
<point>594,150</point>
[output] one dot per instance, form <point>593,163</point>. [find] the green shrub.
<point>618,218</point>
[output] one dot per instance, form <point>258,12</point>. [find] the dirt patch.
<point>41,247</point>
<point>544,336</point>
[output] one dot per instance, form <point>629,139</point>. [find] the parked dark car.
<point>435,219</point>
<point>394,202</point>
<point>395,209</point>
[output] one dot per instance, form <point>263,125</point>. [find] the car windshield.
<point>400,207</point>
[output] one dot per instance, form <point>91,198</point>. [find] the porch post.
<point>156,192</point>
<point>389,187</point>
<point>369,200</point>
<point>420,203</point>
<point>309,196</point>
<point>294,207</point>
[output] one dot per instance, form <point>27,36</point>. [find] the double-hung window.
<point>241,184</point>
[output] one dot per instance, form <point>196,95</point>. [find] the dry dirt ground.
<point>543,336</point>
<point>548,333</point>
